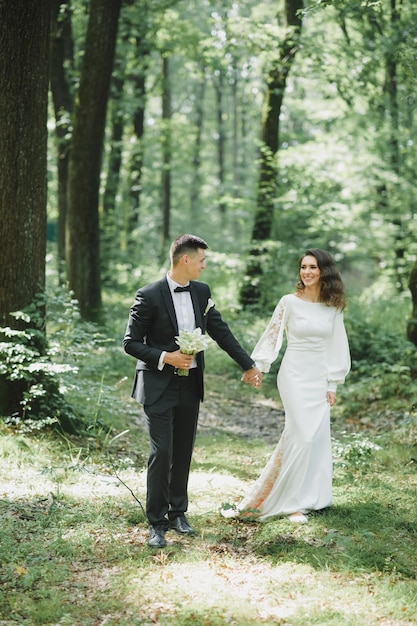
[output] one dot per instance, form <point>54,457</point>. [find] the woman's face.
<point>310,271</point>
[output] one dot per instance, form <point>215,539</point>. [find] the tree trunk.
<point>115,156</point>
<point>221,142</point>
<point>136,159</point>
<point>24,48</point>
<point>60,57</point>
<point>391,92</point>
<point>166,154</point>
<point>110,239</point>
<point>136,162</point>
<point>82,244</point>
<point>24,51</point>
<point>235,113</point>
<point>412,322</point>
<point>268,173</point>
<point>196,161</point>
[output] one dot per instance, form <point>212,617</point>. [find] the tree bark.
<point>276,81</point>
<point>110,239</point>
<point>221,142</point>
<point>24,51</point>
<point>24,48</point>
<point>136,161</point>
<point>166,155</point>
<point>61,56</point>
<point>412,322</point>
<point>196,161</point>
<point>82,243</point>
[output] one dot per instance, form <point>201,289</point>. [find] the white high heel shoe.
<point>298,518</point>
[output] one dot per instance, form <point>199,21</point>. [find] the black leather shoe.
<point>156,537</point>
<point>181,526</point>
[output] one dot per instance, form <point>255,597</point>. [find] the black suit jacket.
<point>152,328</point>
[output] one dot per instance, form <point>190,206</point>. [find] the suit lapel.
<point>196,305</point>
<point>166,295</point>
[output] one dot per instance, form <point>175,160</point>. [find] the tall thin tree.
<point>166,153</point>
<point>61,61</point>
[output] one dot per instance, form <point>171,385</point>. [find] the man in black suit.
<point>171,402</point>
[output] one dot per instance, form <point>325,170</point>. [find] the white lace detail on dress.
<point>269,345</point>
<point>251,506</point>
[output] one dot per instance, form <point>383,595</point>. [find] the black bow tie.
<point>181,289</point>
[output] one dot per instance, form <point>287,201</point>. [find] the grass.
<point>73,542</point>
<point>73,536</point>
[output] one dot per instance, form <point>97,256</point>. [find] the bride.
<point>298,476</point>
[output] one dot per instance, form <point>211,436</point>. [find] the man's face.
<point>194,263</point>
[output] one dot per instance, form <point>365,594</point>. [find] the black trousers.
<point>172,426</point>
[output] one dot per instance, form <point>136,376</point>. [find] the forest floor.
<point>73,546</point>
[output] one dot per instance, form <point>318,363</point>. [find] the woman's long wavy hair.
<point>332,289</point>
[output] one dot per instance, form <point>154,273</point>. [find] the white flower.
<point>210,305</point>
<point>191,342</point>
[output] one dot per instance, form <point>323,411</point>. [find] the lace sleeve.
<point>270,342</point>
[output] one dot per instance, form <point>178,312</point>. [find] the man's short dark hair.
<point>184,245</point>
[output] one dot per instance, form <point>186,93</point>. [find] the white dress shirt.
<point>184,312</point>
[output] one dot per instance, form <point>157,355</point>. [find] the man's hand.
<point>252,377</point>
<point>178,359</point>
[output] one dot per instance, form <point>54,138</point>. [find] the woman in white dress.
<point>298,477</point>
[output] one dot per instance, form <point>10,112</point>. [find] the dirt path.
<point>261,419</point>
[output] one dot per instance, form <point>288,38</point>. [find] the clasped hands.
<point>252,377</point>
<point>178,359</point>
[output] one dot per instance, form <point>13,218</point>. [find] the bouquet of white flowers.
<point>191,342</point>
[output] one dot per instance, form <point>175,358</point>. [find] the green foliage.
<point>93,366</point>
<point>382,385</point>
<point>60,386</point>
<point>354,451</point>
<point>30,378</point>
<point>373,338</point>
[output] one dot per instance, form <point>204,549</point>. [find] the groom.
<point>171,403</point>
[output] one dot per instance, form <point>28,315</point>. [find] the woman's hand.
<point>253,377</point>
<point>331,398</point>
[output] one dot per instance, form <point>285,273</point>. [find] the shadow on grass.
<point>364,537</point>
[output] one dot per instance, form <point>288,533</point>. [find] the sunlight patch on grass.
<point>253,592</point>
<point>245,588</point>
<point>208,491</point>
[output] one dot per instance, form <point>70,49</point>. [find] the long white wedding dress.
<point>298,476</point>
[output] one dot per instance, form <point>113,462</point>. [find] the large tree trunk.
<point>82,244</point>
<point>276,81</point>
<point>24,51</point>
<point>61,58</point>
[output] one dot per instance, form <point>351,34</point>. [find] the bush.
<point>29,381</point>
